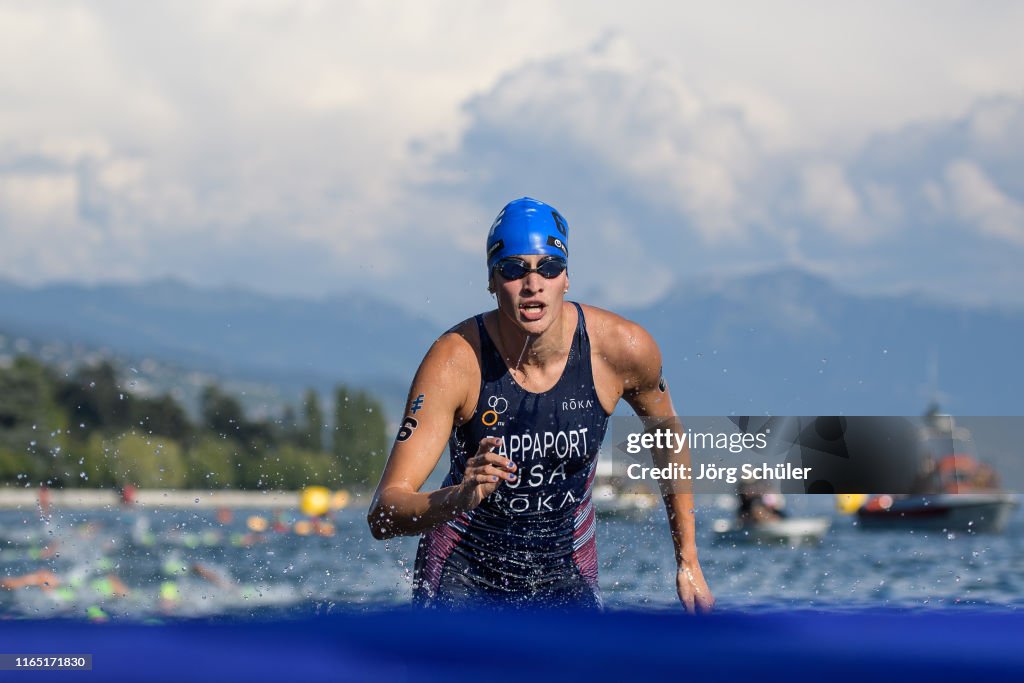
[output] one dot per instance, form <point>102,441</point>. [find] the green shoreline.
<point>89,499</point>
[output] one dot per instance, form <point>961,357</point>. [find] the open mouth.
<point>532,310</point>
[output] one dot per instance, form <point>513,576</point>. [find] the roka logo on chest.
<point>578,404</point>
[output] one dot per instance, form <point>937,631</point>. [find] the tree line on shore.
<point>85,429</point>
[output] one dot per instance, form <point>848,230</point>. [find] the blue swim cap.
<point>527,226</point>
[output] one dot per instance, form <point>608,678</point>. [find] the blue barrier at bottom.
<point>532,646</point>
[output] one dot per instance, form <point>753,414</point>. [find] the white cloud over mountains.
<point>981,204</point>
<point>323,146</point>
<point>671,181</point>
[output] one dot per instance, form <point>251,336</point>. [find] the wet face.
<point>532,302</point>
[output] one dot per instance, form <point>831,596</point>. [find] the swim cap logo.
<point>560,223</point>
<point>558,244</point>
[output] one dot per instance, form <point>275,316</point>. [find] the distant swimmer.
<point>757,504</point>
<point>224,516</point>
<point>128,495</point>
<point>522,394</point>
<point>42,578</point>
<point>210,575</point>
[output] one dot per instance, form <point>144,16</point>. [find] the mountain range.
<point>780,342</point>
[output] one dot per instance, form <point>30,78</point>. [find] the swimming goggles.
<point>516,269</point>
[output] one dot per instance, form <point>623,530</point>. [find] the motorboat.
<point>960,492</point>
<point>791,531</point>
<point>977,512</point>
<point>615,495</point>
<point>611,501</point>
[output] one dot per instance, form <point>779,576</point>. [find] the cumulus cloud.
<point>942,202</point>
<point>826,196</point>
<point>602,116</point>
<point>38,199</point>
<point>321,146</point>
<point>671,180</point>
<point>963,173</point>
<point>175,138</point>
<point>650,171</point>
<point>980,203</point>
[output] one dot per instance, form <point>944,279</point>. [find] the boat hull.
<point>972,512</point>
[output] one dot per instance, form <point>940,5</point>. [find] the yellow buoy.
<point>315,501</point>
<point>849,503</point>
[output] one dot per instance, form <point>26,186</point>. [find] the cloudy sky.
<point>321,147</point>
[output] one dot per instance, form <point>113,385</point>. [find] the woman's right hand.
<point>484,473</point>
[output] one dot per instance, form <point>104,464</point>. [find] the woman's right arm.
<point>440,392</point>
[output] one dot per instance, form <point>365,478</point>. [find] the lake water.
<point>186,563</point>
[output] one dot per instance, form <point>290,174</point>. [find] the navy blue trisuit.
<point>531,542</point>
